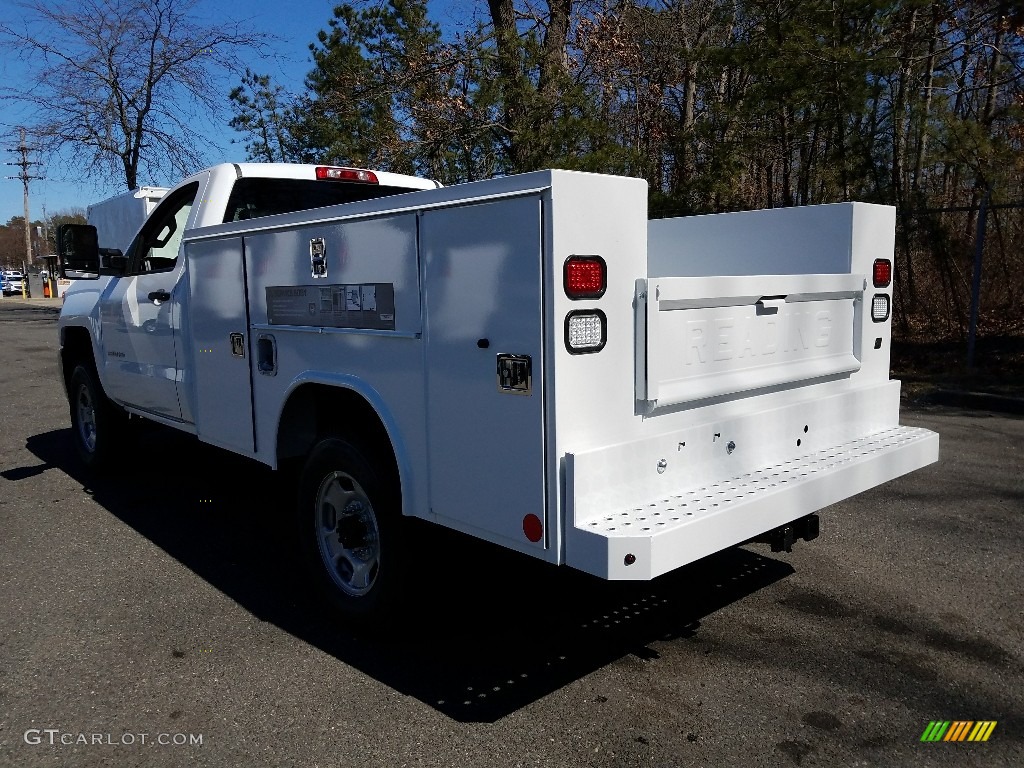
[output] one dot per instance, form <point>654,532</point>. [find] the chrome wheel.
<point>86,420</point>
<point>347,534</point>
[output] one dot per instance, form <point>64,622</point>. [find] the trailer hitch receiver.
<point>783,538</point>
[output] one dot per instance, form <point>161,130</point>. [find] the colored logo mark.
<point>958,730</point>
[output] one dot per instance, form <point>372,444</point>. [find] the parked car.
<point>12,282</point>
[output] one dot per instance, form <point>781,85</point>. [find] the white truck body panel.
<point>740,362</point>
<point>427,378</point>
<point>222,417</point>
<point>483,265</point>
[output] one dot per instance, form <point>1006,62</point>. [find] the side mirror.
<point>78,252</point>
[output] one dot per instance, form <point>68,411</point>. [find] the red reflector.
<point>325,173</point>
<point>585,277</point>
<point>881,273</point>
<point>533,528</point>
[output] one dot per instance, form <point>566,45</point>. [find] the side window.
<point>156,250</point>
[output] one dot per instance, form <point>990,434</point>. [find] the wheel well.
<point>316,411</point>
<point>76,347</point>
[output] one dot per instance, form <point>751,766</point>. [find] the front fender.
<point>81,310</point>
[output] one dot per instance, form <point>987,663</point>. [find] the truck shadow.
<point>489,631</point>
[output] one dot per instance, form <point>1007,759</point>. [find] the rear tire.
<point>97,424</point>
<point>347,526</point>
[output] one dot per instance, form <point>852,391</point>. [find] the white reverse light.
<point>585,331</point>
<point>880,308</point>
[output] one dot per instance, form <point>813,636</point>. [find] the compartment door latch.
<point>237,344</point>
<point>515,374</point>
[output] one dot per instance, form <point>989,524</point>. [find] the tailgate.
<point>700,338</point>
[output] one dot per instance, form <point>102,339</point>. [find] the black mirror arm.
<point>112,259</point>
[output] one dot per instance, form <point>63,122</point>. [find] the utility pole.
<point>24,163</point>
<point>46,234</point>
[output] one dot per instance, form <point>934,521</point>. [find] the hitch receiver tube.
<point>781,539</point>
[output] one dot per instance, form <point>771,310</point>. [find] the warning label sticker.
<point>368,305</point>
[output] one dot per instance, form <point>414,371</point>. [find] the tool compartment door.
<point>484,312</point>
<point>221,353</point>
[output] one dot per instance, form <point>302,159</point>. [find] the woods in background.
<point>720,104</point>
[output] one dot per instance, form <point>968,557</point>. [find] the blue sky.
<point>295,24</point>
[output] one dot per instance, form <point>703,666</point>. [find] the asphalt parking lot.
<point>155,617</point>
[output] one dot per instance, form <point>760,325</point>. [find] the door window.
<point>156,247</point>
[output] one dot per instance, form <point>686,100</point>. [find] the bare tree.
<point>121,84</point>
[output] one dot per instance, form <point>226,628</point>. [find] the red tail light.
<point>326,173</point>
<point>533,528</point>
<point>585,277</point>
<point>881,273</point>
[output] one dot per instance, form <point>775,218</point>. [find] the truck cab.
<point>133,316</point>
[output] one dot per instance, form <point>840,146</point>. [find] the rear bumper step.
<point>649,539</point>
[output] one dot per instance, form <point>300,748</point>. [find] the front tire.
<point>348,531</point>
<point>97,425</point>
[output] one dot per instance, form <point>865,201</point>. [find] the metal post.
<point>979,246</point>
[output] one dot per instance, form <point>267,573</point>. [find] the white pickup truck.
<point>528,360</point>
